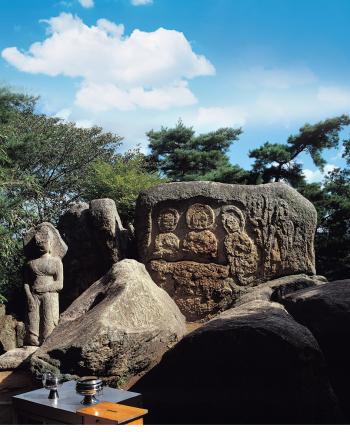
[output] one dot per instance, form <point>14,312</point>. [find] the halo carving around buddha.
<point>168,219</point>
<point>200,216</point>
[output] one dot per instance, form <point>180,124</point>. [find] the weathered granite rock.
<point>115,329</point>
<point>7,333</point>
<point>251,365</point>
<point>43,279</point>
<point>276,289</point>
<point>16,358</point>
<point>203,241</point>
<point>96,240</point>
<point>107,229</point>
<point>12,332</point>
<point>80,264</point>
<point>325,311</point>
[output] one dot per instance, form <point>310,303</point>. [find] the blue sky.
<point>267,66</point>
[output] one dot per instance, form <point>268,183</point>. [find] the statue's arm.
<point>27,289</point>
<point>59,275</point>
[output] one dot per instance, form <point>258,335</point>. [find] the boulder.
<point>108,230</point>
<point>325,311</point>
<point>12,332</point>
<point>16,358</point>
<point>205,242</point>
<point>96,240</point>
<point>251,365</point>
<point>116,329</point>
<point>276,289</point>
<point>8,339</point>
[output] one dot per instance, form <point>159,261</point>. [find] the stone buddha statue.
<point>43,279</point>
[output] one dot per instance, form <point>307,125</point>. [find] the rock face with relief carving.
<point>206,242</point>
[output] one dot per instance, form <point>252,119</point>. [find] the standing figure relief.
<point>284,229</point>
<point>274,232</point>
<point>241,251</point>
<point>43,279</point>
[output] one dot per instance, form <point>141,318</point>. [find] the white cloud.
<point>64,114</point>
<point>64,3</point>
<point>276,78</point>
<point>118,71</point>
<point>84,123</point>
<point>111,96</point>
<point>285,108</point>
<point>215,117</point>
<point>141,2</point>
<point>334,96</point>
<point>87,3</point>
<point>317,176</point>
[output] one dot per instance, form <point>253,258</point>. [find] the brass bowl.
<point>88,387</point>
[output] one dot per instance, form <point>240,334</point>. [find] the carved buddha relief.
<point>167,243</point>
<point>201,242</point>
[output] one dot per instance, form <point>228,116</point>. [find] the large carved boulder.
<point>96,240</point>
<point>325,310</point>
<point>251,365</point>
<point>115,329</point>
<point>205,242</point>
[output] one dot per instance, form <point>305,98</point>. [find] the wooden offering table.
<point>108,413</point>
<point>35,408</point>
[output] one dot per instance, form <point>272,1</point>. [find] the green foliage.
<point>12,214</point>
<point>333,235</point>
<point>275,162</point>
<point>12,102</point>
<point>227,174</point>
<point>43,165</point>
<point>55,157</point>
<point>121,179</point>
<point>182,156</point>
<point>318,137</point>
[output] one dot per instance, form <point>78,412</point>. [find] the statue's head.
<point>43,240</point>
